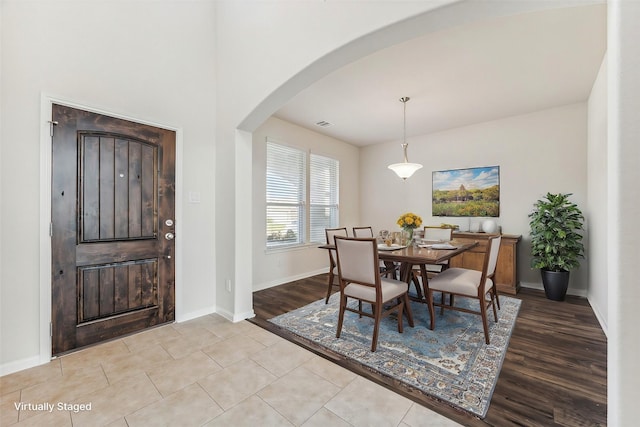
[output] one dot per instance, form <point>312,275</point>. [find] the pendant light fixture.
<point>405,169</point>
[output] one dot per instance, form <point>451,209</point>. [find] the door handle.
<point>169,236</point>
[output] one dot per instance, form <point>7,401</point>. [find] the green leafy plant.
<point>556,240</point>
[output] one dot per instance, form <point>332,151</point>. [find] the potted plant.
<point>556,241</point>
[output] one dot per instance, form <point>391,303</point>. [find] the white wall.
<point>597,197</point>
<point>199,66</point>
<point>153,64</point>
<point>281,266</point>
<point>623,176</point>
<point>266,52</point>
<point>537,153</point>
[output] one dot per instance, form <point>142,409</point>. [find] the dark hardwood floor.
<point>554,372</point>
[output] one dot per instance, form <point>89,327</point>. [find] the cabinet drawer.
<point>481,248</point>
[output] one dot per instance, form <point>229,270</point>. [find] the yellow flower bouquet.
<point>409,222</point>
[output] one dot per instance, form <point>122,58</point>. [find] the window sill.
<point>291,248</point>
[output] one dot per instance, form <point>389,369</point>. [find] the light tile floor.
<point>204,372</point>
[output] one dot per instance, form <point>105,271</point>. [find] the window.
<point>324,197</point>
<point>286,195</point>
<point>291,188</point>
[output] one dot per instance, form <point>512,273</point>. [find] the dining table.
<point>419,255</point>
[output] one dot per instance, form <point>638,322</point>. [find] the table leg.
<point>405,272</point>
<point>413,279</point>
<point>425,287</point>
<point>391,268</point>
<point>406,275</point>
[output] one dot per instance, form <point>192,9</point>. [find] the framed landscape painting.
<point>466,192</point>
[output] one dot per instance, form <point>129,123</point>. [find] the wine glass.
<point>384,236</point>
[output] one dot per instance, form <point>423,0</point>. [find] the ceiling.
<point>460,76</point>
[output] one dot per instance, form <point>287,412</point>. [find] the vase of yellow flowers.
<point>409,222</point>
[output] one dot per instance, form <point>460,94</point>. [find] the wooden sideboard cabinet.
<point>506,278</point>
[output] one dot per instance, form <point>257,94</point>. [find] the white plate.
<point>443,246</point>
<point>393,247</point>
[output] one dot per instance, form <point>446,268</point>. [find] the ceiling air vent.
<point>323,124</point>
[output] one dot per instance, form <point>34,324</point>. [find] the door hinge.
<point>51,329</point>
<point>51,229</point>
<point>52,124</point>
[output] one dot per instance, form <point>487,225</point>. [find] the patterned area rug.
<point>451,363</point>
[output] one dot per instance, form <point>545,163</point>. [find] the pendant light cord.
<point>404,126</point>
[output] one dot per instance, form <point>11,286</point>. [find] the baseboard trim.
<point>283,280</point>
<point>19,365</point>
<point>238,317</point>
<point>570,291</point>
<point>195,314</point>
<point>601,319</point>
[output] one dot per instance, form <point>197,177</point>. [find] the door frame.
<point>46,106</point>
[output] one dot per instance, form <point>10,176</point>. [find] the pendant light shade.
<point>405,169</point>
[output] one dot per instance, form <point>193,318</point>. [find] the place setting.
<point>389,241</point>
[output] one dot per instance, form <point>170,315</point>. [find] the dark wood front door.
<point>113,224</point>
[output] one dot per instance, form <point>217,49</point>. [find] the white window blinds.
<point>323,206</point>
<point>286,194</point>
<point>291,188</point>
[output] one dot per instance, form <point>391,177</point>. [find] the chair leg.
<point>330,287</point>
<point>444,301</point>
<point>400,322</point>
<point>485,325</point>
<point>376,326</point>
<point>343,304</point>
<point>495,292</point>
<point>493,305</point>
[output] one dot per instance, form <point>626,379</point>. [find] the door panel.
<point>107,290</point>
<point>129,179</point>
<point>112,191</point>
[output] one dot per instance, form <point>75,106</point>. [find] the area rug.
<point>451,363</point>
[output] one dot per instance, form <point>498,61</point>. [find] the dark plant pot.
<point>555,284</point>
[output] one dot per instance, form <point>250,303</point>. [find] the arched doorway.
<point>453,14</point>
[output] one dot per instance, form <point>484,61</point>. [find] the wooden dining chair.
<point>359,279</point>
<point>388,269</point>
<point>362,231</point>
<point>333,268</point>
<point>473,284</point>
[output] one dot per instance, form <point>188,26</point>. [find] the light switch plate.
<point>194,197</point>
